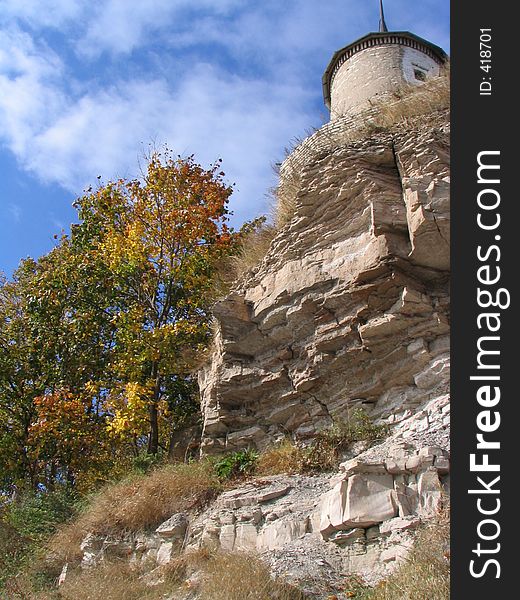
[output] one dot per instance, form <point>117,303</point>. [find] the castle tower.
<point>378,64</point>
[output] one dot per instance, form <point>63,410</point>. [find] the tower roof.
<point>382,24</point>
<point>381,38</point>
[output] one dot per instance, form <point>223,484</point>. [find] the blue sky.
<point>87,86</point>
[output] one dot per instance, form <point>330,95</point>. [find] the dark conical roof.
<point>382,24</point>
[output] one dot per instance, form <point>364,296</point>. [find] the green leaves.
<point>237,464</point>
<point>99,336</point>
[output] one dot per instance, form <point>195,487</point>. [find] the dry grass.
<point>413,101</point>
<point>110,581</point>
<point>324,453</point>
<point>426,573</point>
<point>283,206</point>
<point>223,576</point>
<point>253,249</point>
<point>409,104</point>
<point>138,504</point>
<point>285,458</point>
<point>231,576</point>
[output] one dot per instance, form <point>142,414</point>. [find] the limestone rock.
<point>164,554</point>
<point>252,496</point>
<point>369,500</point>
<point>348,537</point>
<point>63,574</point>
<point>245,537</point>
<point>399,524</point>
<point>430,492</point>
<point>174,527</point>
<point>350,307</point>
<point>361,501</point>
<point>282,532</point>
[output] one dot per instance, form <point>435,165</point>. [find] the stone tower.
<point>376,65</point>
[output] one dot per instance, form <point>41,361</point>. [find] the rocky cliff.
<point>350,306</point>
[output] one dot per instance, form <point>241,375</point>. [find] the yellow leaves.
<point>130,410</point>
<point>92,388</point>
<point>124,246</point>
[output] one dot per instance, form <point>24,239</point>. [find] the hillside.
<point>324,451</point>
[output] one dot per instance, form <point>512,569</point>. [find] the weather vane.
<point>382,24</point>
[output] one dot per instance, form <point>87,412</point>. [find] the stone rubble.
<point>313,530</point>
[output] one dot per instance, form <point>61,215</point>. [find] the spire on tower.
<point>382,23</point>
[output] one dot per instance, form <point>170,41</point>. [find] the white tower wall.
<point>377,70</point>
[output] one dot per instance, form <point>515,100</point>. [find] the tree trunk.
<point>153,438</point>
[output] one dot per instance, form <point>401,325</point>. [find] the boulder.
<point>281,532</point>
<point>164,554</point>
<point>174,528</point>
<point>361,501</point>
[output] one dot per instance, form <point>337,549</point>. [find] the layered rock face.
<point>350,306</point>
<point>312,530</point>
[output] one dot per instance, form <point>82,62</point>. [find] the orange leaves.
<point>68,437</point>
<point>61,427</point>
<point>59,412</point>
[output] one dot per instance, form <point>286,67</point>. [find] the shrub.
<point>145,462</point>
<point>237,464</point>
<point>36,515</point>
<point>324,453</point>
<point>13,549</point>
<point>285,457</point>
<point>139,503</point>
<point>24,526</point>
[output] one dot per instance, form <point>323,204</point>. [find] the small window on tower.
<point>420,75</point>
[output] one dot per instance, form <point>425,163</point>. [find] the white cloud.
<point>209,114</point>
<point>68,127</point>
<point>53,13</point>
<point>70,138</point>
<point>66,131</point>
<point>29,89</point>
<point>120,26</point>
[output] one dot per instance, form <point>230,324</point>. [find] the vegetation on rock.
<point>236,464</point>
<point>325,451</point>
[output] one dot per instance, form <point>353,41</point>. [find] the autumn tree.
<point>19,384</point>
<point>100,335</point>
<point>160,239</point>
<point>54,337</point>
